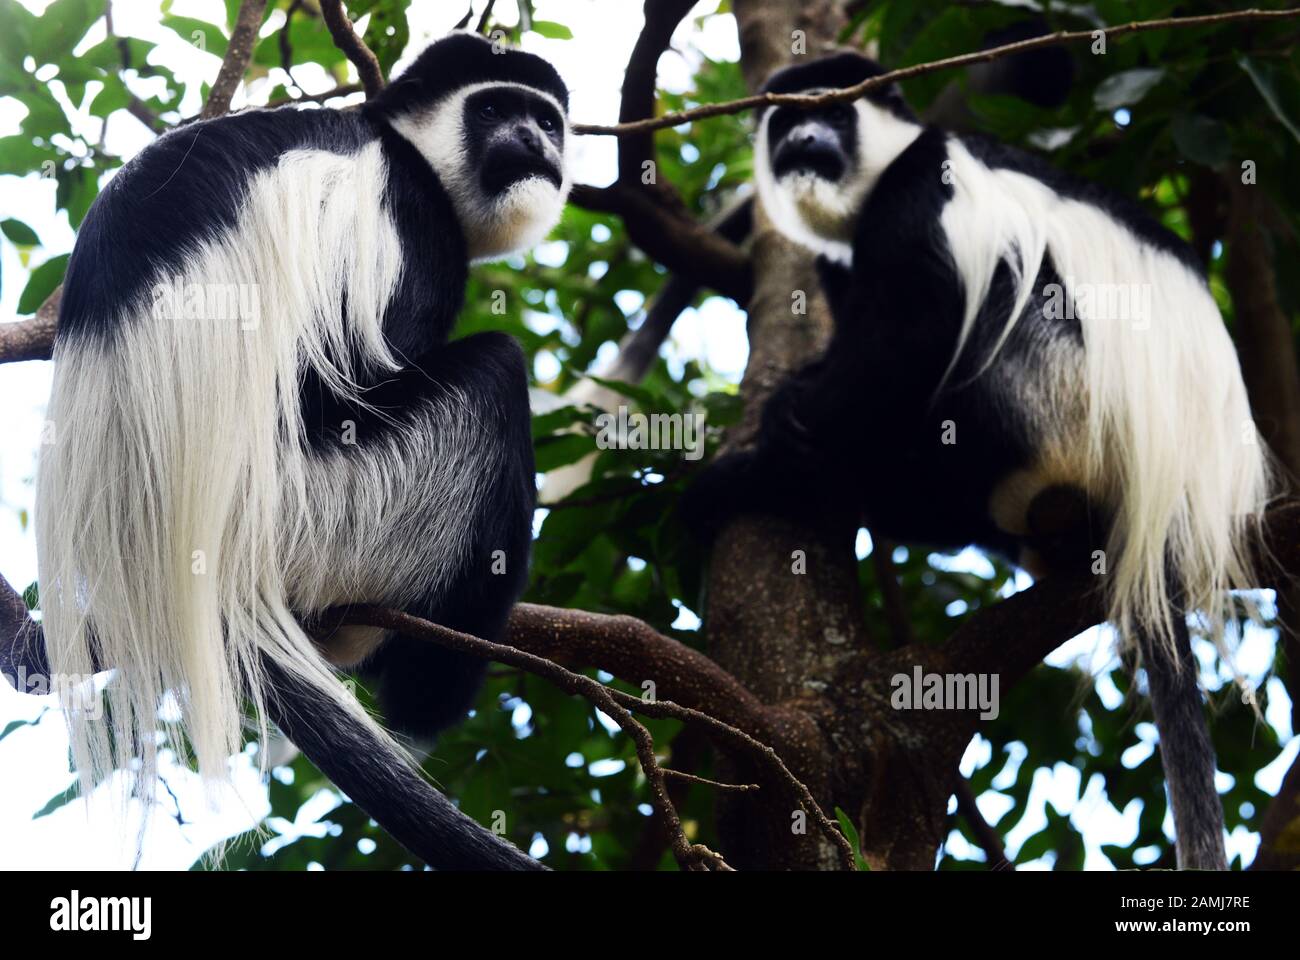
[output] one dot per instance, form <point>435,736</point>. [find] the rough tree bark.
<point>782,633</point>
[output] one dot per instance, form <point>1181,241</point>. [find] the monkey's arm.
<point>897,312</point>
<point>439,474</point>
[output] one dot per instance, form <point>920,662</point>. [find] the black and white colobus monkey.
<point>221,476</point>
<point>980,388</point>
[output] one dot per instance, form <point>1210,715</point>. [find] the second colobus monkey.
<point>257,417</point>
<point>1015,352</point>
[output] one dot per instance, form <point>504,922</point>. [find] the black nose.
<point>810,147</point>
<point>527,136</point>
<point>815,137</point>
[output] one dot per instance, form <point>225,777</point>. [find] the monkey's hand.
<point>798,423</point>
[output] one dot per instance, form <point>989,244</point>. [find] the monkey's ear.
<point>404,93</point>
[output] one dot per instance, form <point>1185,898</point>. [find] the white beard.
<point>516,220</point>
<point>823,211</point>
<point>821,214</point>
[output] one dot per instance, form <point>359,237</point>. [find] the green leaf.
<point>851,833</point>
<point>560,419</point>
<point>61,27</point>
<point>16,27</point>
<point>112,96</point>
<point>58,801</point>
<point>1263,82</point>
<point>45,117</point>
<point>77,189</point>
<point>196,32</point>
<point>1126,87</point>
<point>42,283</point>
<point>19,233</point>
<point>1201,139</point>
<point>15,726</point>
<point>309,42</point>
<point>20,156</point>
<point>553,30</point>
<point>562,449</point>
<point>32,596</point>
<point>632,391</point>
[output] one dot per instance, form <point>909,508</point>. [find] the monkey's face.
<point>512,136</point>
<point>815,168</point>
<point>499,150</point>
<point>819,143</point>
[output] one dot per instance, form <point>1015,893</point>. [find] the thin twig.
<point>631,649</point>
<point>811,101</point>
<point>353,47</point>
<point>705,781</point>
<point>372,80</point>
<point>623,702</point>
<point>614,704</point>
<point>483,20</point>
<point>286,43</point>
<point>238,54</point>
<point>342,90</point>
<point>988,837</point>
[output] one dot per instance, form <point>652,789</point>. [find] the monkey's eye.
<point>489,111</point>
<point>547,124</point>
<point>839,116</point>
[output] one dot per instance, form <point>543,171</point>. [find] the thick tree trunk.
<point>782,632</point>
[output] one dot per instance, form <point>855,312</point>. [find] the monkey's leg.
<point>798,466</point>
<point>425,688</point>
<point>428,509</point>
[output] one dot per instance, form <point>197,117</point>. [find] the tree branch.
<point>32,339</point>
<point>638,101</point>
<point>678,241</point>
<point>1279,832</point>
<point>656,218</point>
<point>485,18</point>
<point>636,653</point>
<point>690,857</point>
<point>984,833</point>
<point>808,102</point>
<point>238,54</point>
<point>1014,635</point>
<point>22,655</point>
<point>353,47</point>
<point>342,90</point>
<point>1008,638</point>
<point>536,626</point>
